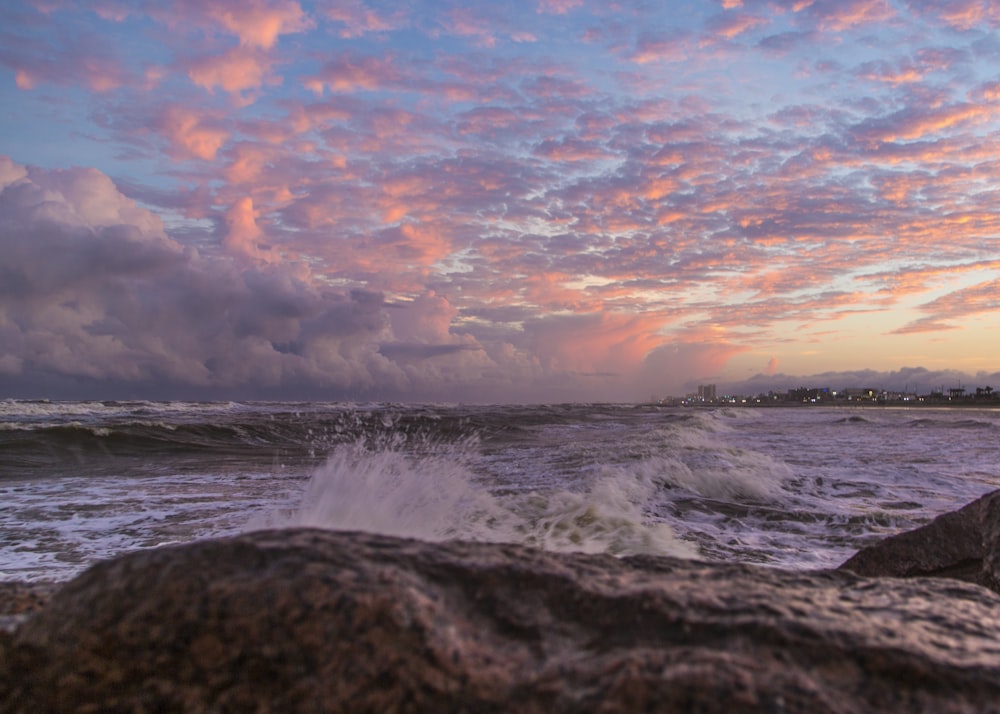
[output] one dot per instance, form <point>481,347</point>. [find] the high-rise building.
<point>706,392</point>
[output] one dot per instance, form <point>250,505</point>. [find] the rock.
<point>19,599</point>
<point>963,544</point>
<point>317,621</point>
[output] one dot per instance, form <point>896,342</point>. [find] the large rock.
<point>963,544</point>
<point>315,621</point>
<point>19,599</point>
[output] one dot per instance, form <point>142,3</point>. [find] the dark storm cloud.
<point>91,286</point>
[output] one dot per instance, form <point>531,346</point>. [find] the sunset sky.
<point>541,200</point>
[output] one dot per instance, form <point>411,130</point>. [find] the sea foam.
<point>430,491</point>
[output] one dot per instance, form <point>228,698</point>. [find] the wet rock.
<point>316,621</point>
<point>19,599</point>
<point>962,544</point>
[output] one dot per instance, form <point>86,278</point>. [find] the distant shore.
<point>838,404</point>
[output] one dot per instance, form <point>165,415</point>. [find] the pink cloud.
<point>413,244</point>
<point>465,22</point>
<point>912,70</point>
<point>425,319</point>
<point>351,73</point>
<point>553,86</point>
<point>989,92</point>
<point>982,298</point>
<point>558,7</point>
<point>237,70</point>
<point>488,120</point>
<point>652,47</point>
<point>24,79</point>
<point>243,237</point>
<point>484,25</point>
<point>917,279</point>
<point>10,172</point>
<point>921,122</point>
<point>304,116</point>
<point>696,355</point>
<point>247,162</point>
<point>359,19</point>
<point>844,15</point>
<point>924,325</point>
<point>190,133</point>
<point>730,25</point>
<point>257,23</point>
<point>608,343</point>
<point>902,73</point>
<point>959,14</point>
<point>71,60</point>
<point>113,10</point>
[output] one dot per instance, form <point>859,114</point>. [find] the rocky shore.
<point>318,621</point>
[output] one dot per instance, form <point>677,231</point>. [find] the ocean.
<point>791,487</point>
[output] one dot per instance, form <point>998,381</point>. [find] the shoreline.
<point>993,404</point>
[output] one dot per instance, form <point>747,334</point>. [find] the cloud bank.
<point>96,294</point>
<point>537,201</point>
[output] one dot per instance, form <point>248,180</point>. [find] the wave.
<point>789,487</point>
<point>38,434</point>
<point>731,475</point>
<point>932,423</point>
<point>854,419</point>
<point>422,486</point>
<point>47,433</point>
<point>428,490</point>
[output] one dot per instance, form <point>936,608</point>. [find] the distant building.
<point>810,394</point>
<point>706,392</point>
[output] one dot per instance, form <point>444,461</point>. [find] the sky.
<point>536,200</point>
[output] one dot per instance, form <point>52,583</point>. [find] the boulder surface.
<point>318,621</point>
<point>962,544</point>
<point>20,599</point>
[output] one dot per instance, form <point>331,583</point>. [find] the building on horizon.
<point>706,392</point>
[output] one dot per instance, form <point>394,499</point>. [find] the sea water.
<point>793,487</point>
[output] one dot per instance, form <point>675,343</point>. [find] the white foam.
<point>52,528</point>
<point>431,493</point>
<point>699,461</point>
<point>384,489</point>
<point>607,517</point>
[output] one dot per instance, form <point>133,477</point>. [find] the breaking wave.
<point>430,491</point>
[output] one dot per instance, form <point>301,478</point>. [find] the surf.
<point>430,490</point>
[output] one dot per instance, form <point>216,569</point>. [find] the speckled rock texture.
<point>20,599</point>
<point>318,621</point>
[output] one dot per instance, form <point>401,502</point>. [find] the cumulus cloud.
<point>93,286</point>
<point>236,71</point>
<point>243,237</point>
<point>678,366</point>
